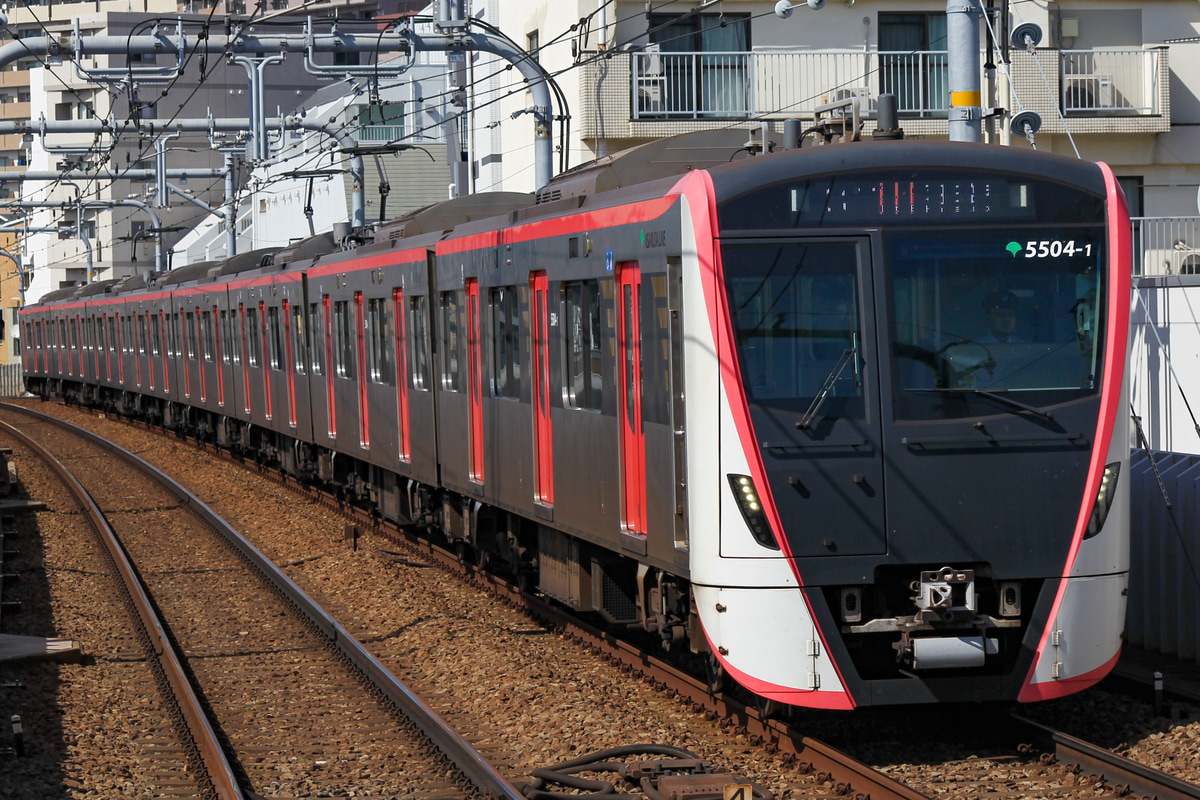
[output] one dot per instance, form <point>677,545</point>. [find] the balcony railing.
<point>714,85</point>
<point>1166,246</point>
<point>1110,81</point>
<point>380,133</point>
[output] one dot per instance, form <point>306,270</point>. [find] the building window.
<point>381,122</point>
<point>706,85</point>
<point>582,329</point>
<point>533,44</point>
<point>913,64</point>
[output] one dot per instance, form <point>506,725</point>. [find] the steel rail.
<point>220,777</point>
<point>483,775</point>
<point>850,777</point>
<point>1118,770</point>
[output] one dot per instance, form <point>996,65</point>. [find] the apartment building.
<point>1111,80</point>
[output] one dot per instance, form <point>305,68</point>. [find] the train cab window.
<point>274,339</point>
<point>452,342</point>
<point>379,339</point>
<point>796,316</point>
<point>996,313</point>
<point>419,308</point>
<point>253,338</point>
<point>343,340</point>
<point>582,333</point>
<point>506,342</point>
<point>316,320</point>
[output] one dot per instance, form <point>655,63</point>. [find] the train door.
<point>803,314</point>
<point>264,363</point>
<point>629,399</point>
<point>475,379</point>
<point>245,359</point>
<point>543,445</point>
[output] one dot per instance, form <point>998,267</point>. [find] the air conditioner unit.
<point>650,99</point>
<point>1088,92</point>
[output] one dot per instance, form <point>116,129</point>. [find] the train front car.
<point>922,431</point>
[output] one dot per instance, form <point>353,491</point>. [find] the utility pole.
<point>452,20</point>
<point>962,45</point>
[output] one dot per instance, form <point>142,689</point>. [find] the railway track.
<point>1028,763</point>
<point>275,695</point>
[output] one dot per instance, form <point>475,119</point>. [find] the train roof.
<point>449,214</point>
<point>59,294</point>
<point>731,180</point>
<point>306,249</point>
<point>244,262</point>
<point>662,158</point>
<point>190,272</point>
<point>97,287</point>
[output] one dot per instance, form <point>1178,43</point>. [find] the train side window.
<point>452,357</point>
<point>210,346</point>
<point>190,324</point>
<point>141,335</point>
<point>274,339</point>
<point>233,335</point>
<point>343,340</point>
<point>379,337</point>
<point>253,340</point>
<point>315,319</point>
<point>582,331</point>
<point>419,308</point>
<point>226,339</point>
<point>155,338</point>
<point>506,342</point>
<point>112,334</point>
<point>299,343</point>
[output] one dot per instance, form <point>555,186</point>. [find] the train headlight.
<point>750,505</point>
<point>1104,499</point>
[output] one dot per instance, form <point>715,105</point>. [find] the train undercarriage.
<point>615,590</point>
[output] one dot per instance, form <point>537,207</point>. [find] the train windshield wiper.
<point>1008,401</point>
<point>999,397</point>
<point>838,368</point>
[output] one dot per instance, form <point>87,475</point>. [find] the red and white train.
<point>848,419</point>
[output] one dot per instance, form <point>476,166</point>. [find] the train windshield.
<point>1006,317</point>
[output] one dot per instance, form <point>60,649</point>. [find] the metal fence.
<point>1164,570</point>
<point>12,380</point>
<point>699,85</point>
<point>1166,246</point>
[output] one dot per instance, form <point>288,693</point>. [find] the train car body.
<point>848,420</point>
